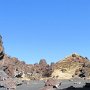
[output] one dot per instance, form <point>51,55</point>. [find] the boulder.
<point>52,82</point>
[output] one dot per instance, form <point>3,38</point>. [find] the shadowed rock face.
<point>45,68</point>
<point>1,48</point>
<point>39,71</point>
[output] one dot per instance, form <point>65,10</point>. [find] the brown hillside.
<point>67,67</point>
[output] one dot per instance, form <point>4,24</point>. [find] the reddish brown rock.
<point>43,62</point>
<point>9,70</point>
<point>52,82</point>
<point>47,88</point>
<point>16,68</point>
<point>10,84</point>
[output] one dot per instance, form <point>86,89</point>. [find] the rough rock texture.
<point>39,71</point>
<point>13,70</point>
<point>6,81</point>
<point>1,48</point>
<point>71,66</point>
<point>52,82</point>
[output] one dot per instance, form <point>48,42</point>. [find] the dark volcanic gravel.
<point>74,84</point>
<point>33,85</point>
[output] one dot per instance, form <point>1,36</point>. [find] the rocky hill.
<point>71,66</point>
<point>19,69</point>
<point>12,69</point>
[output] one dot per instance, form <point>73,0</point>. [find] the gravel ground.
<point>33,85</point>
<point>65,85</point>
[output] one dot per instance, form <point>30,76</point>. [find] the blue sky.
<point>50,29</point>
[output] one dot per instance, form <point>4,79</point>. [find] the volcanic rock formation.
<point>12,69</point>
<point>71,66</point>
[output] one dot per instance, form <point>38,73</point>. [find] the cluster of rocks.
<point>14,72</point>
<point>12,69</point>
<point>16,68</point>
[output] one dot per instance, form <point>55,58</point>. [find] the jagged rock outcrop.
<point>73,65</point>
<point>41,70</point>
<point>1,48</point>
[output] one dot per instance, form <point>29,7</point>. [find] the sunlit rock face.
<point>72,66</point>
